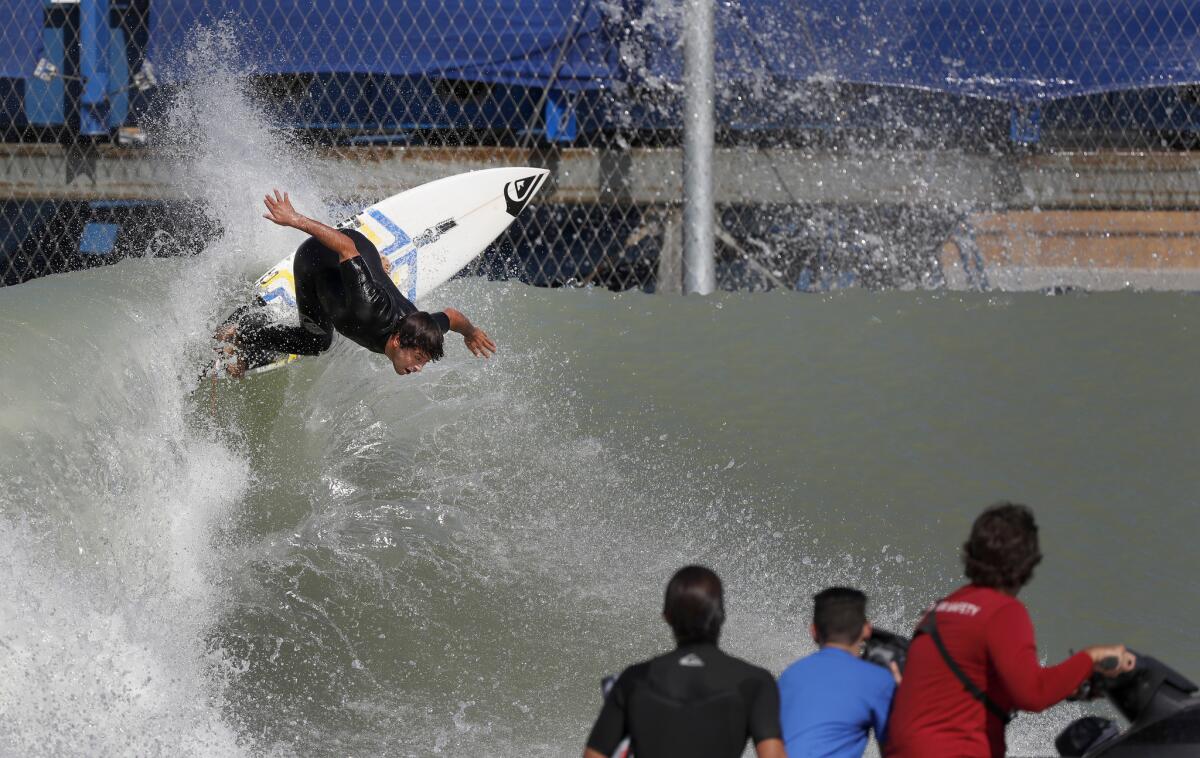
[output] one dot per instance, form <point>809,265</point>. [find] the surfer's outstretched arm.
<point>280,211</point>
<point>366,301</point>
<point>474,338</point>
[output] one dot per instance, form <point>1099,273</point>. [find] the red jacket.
<point>990,636</point>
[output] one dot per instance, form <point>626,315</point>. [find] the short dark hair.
<point>694,605</point>
<point>419,330</point>
<point>839,614</point>
<point>1003,547</point>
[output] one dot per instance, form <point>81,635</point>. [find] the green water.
<point>341,561</point>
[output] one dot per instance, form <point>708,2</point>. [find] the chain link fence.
<point>911,143</point>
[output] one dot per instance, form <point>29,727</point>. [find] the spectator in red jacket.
<point>986,633</point>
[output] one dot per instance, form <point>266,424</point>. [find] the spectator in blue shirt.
<point>832,698</point>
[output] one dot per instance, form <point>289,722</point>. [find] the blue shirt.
<point>829,700</point>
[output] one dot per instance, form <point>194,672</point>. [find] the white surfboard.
<point>427,234</point>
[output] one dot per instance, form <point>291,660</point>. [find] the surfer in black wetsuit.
<point>342,283</point>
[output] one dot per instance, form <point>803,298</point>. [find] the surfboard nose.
<point>519,191</point>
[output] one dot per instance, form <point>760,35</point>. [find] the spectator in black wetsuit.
<point>342,283</point>
<point>695,701</point>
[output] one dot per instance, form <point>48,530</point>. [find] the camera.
<point>884,648</point>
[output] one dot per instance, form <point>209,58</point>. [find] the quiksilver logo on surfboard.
<point>518,193</point>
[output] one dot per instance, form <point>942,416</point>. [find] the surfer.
<point>342,284</point>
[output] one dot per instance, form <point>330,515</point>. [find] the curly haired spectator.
<point>973,660</point>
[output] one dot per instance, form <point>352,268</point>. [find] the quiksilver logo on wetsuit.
<point>518,193</point>
<point>691,659</point>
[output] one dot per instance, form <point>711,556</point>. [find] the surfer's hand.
<point>237,368</point>
<point>479,343</point>
<point>228,356</point>
<point>280,210</point>
<point>474,338</point>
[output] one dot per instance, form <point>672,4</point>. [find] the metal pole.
<point>699,94</point>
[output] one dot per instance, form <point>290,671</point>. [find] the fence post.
<point>699,90</point>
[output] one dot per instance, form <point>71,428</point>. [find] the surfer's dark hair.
<point>839,614</point>
<point>694,605</point>
<point>419,330</point>
<point>1003,547</point>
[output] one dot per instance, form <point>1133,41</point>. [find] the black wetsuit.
<point>357,298</point>
<point>695,701</point>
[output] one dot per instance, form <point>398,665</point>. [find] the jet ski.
<point>1162,708</point>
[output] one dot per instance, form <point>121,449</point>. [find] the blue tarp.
<point>767,50</point>
<point>1006,49</point>
<point>20,37</point>
<point>1003,49</point>
<point>517,42</point>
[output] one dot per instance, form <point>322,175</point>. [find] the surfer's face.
<point>408,360</point>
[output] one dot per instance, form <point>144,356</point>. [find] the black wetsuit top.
<point>695,701</point>
<point>357,298</point>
